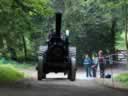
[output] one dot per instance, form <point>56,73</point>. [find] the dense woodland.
<point>93,25</point>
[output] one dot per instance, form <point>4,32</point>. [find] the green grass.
<point>24,66</point>
<point>16,64</point>
<point>123,78</point>
<point>9,73</point>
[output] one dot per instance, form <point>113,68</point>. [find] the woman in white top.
<point>95,64</point>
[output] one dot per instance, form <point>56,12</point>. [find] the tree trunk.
<point>113,30</point>
<point>13,53</point>
<point>24,46</point>
<point>1,41</point>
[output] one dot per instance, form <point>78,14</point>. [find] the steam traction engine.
<point>57,56</point>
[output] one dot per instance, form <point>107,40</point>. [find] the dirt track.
<point>54,86</point>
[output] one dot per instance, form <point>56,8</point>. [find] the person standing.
<point>94,66</point>
<point>101,61</point>
<point>87,64</point>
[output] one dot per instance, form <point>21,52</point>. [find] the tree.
<point>126,24</point>
<point>93,24</point>
<point>16,21</point>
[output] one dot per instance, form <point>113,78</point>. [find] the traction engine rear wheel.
<point>40,73</point>
<point>72,71</point>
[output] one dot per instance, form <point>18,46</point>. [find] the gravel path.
<point>58,86</point>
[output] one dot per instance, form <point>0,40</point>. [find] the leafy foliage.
<point>93,25</point>
<point>17,24</point>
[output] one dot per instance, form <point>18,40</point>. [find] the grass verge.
<point>123,78</point>
<point>9,74</point>
<point>16,64</point>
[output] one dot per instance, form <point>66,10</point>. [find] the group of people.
<point>92,62</point>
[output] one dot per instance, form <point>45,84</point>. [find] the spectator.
<point>101,61</point>
<point>87,64</point>
<point>95,64</point>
